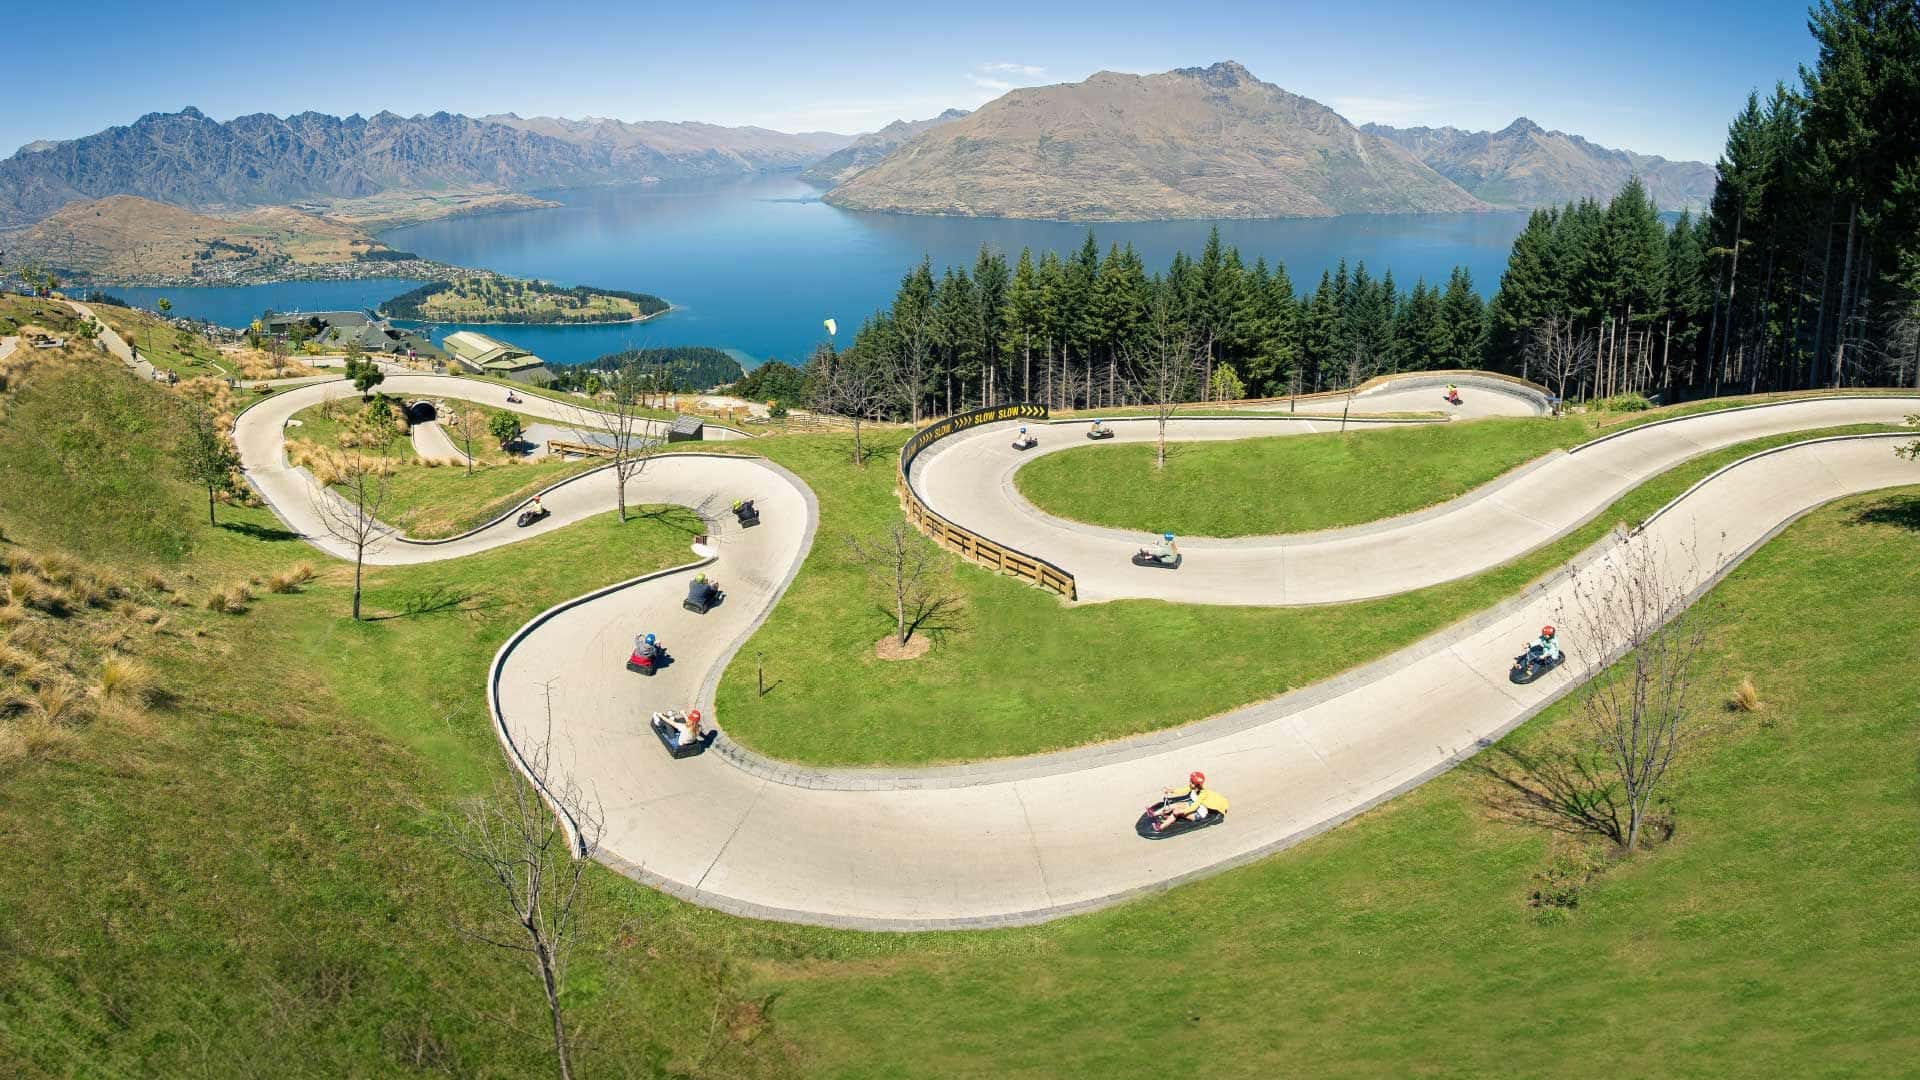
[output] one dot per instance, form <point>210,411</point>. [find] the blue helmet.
<point>649,639</point>
<point>1166,536</point>
<point>1023,429</point>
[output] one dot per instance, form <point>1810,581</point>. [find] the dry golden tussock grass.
<point>126,682</point>
<point>1745,697</point>
<point>231,600</point>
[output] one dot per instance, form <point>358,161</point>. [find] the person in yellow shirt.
<point>1194,802</point>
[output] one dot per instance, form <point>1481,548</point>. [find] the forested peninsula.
<point>496,299</point>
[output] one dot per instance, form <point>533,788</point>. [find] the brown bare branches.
<point>908,570</point>
<point>1637,710</point>
<point>518,843</point>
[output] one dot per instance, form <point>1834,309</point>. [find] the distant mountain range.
<point>1191,143</point>
<point>186,159</point>
<point>1524,165</point>
<point>867,150</point>
<point>1211,142</point>
<point>1218,142</point>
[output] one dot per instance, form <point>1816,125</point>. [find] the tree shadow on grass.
<point>260,532</point>
<point>934,616</point>
<point>1566,793</point>
<point>1900,512</point>
<point>439,600</point>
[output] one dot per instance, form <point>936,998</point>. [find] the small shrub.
<point>1621,403</point>
<point>55,602</point>
<point>156,582</point>
<point>55,702</point>
<point>301,573</point>
<point>231,600</point>
<point>1745,697</point>
<point>281,583</point>
<point>127,682</point>
<point>22,587</point>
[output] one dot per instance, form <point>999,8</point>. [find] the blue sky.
<point>1656,78</point>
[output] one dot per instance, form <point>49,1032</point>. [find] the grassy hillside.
<point>244,879</point>
<point>1773,935</point>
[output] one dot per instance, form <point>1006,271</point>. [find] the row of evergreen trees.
<point>1061,330</point>
<point>1804,272</point>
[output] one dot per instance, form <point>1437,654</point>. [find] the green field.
<point>1286,484</point>
<point>248,883</point>
<point>835,703</point>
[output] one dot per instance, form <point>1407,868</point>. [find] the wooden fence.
<point>964,541</point>
<point>562,446</point>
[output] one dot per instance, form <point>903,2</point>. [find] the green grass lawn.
<point>1053,666</point>
<point>249,883</point>
<point>1774,935</point>
<point>1286,484</point>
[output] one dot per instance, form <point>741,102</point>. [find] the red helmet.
<point>1196,778</point>
<point>1546,631</point>
<point>693,716</point>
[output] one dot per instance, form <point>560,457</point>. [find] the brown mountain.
<point>1190,143</point>
<point>868,150</point>
<point>1525,165</point>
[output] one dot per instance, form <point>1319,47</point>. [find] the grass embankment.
<point>251,885</point>
<point>247,880</point>
<point>188,354</point>
<point>1013,671</point>
<point>429,497</point>
<point>1772,936</point>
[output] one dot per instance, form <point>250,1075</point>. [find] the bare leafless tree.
<point>910,376</point>
<point>852,385</point>
<point>909,570</point>
<point>1563,352</point>
<point>619,414</point>
<point>517,837</point>
<point>1160,365</point>
<point>350,510</point>
<point>465,424</point>
<point>1358,369</point>
<point>1638,709</point>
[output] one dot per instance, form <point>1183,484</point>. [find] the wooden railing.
<point>965,541</point>
<point>562,446</point>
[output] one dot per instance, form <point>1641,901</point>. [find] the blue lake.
<point>754,266</point>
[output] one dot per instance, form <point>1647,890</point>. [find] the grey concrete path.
<point>259,434</point>
<point>1019,841</point>
<point>968,478</point>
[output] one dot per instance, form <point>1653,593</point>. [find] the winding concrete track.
<point>1031,839</point>
<point>968,479</point>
